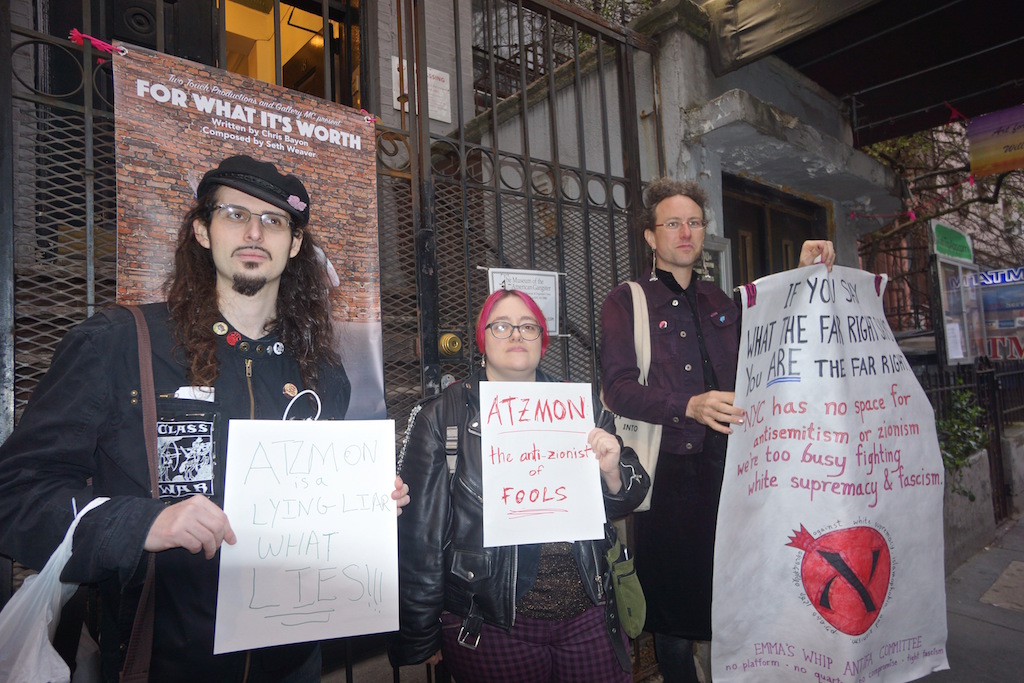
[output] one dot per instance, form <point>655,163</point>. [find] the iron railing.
<point>998,389</point>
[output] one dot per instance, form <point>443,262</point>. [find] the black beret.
<point>261,179</point>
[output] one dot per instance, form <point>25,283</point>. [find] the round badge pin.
<point>662,325</point>
<point>279,348</point>
<point>220,327</point>
<point>233,338</point>
<point>290,390</point>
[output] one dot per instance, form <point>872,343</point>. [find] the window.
<point>252,40</point>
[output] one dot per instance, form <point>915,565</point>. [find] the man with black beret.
<point>245,328</point>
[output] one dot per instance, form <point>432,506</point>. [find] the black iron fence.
<point>997,389</point>
<point>1010,377</point>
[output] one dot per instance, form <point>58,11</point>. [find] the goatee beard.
<point>248,285</point>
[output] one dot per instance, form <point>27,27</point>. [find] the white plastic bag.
<point>29,619</point>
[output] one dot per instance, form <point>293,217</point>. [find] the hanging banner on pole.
<point>997,141</point>
<point>829,551</point>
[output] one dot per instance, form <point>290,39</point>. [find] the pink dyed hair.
<point>493,299</point>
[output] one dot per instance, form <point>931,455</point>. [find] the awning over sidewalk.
<point>745,30</point>
<point>900,66</point>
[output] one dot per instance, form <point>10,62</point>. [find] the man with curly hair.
<point>694,352</point>
<point>246,328</point>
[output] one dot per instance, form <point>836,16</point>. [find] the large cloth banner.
<point>177,119</point>
<point>829,550</point>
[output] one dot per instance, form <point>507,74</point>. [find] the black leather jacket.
<point>442,561</point>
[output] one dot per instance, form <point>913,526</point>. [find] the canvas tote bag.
<point>642,437</point>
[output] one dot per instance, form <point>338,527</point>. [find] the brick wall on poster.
<point>177,119</point>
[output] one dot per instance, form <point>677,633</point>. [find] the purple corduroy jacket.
<point>676,373</point>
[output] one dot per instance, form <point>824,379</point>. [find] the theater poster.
<point>177,119</point>
<point>829,549</point>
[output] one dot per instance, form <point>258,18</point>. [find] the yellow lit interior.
<point>250,37</point>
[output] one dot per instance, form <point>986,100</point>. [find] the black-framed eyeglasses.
<point>692,224</point>
<point>239,215</point>
<point>503,330</point>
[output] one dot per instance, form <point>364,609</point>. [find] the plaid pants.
<point>575,650</point>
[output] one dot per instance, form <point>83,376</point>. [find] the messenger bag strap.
<point>641,331</point>
<point>140,645</point>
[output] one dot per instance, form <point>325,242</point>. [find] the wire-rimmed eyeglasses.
<point>239,216</point>
<point>693,224</point>
<point>503,330</point>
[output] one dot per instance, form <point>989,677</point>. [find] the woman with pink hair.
<point>539,612</point>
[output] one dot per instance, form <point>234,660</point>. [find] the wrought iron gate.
<point>539,170</point>
<point>63,205</point>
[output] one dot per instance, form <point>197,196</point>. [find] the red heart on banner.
<point>846,575</point>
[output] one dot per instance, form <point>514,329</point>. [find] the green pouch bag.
<point>629,595</point>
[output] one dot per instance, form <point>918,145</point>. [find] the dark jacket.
<point>674,541</point>
<point>82,436</point>
<point>442,561</point>
<point>676,372</point>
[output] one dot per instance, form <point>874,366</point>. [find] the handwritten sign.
<point>829,549</point>
<point>541,479</point>
<point>317,550</point>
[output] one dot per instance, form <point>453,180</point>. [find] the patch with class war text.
<point>185,450</point>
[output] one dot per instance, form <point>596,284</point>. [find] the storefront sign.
<point>952,243</point>
<point>997,141</point>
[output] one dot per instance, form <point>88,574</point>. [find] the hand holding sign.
<point>193,524</point>
<point>607,450</point>
<point>715,409</point>
<point>818,251</point>
<point>400,495</point>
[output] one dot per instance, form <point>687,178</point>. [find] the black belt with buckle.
<point>469,634</point>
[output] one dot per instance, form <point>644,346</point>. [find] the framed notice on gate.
<point>541,285</point>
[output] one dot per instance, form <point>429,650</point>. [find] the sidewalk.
<point>985,613</point>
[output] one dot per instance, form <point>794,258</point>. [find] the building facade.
<point>539,127</point>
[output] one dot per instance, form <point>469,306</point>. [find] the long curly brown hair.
<point>303,319</point>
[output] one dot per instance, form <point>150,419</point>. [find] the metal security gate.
<point>63,207</point>
<point>57,215</point>
<point>539,169</point>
